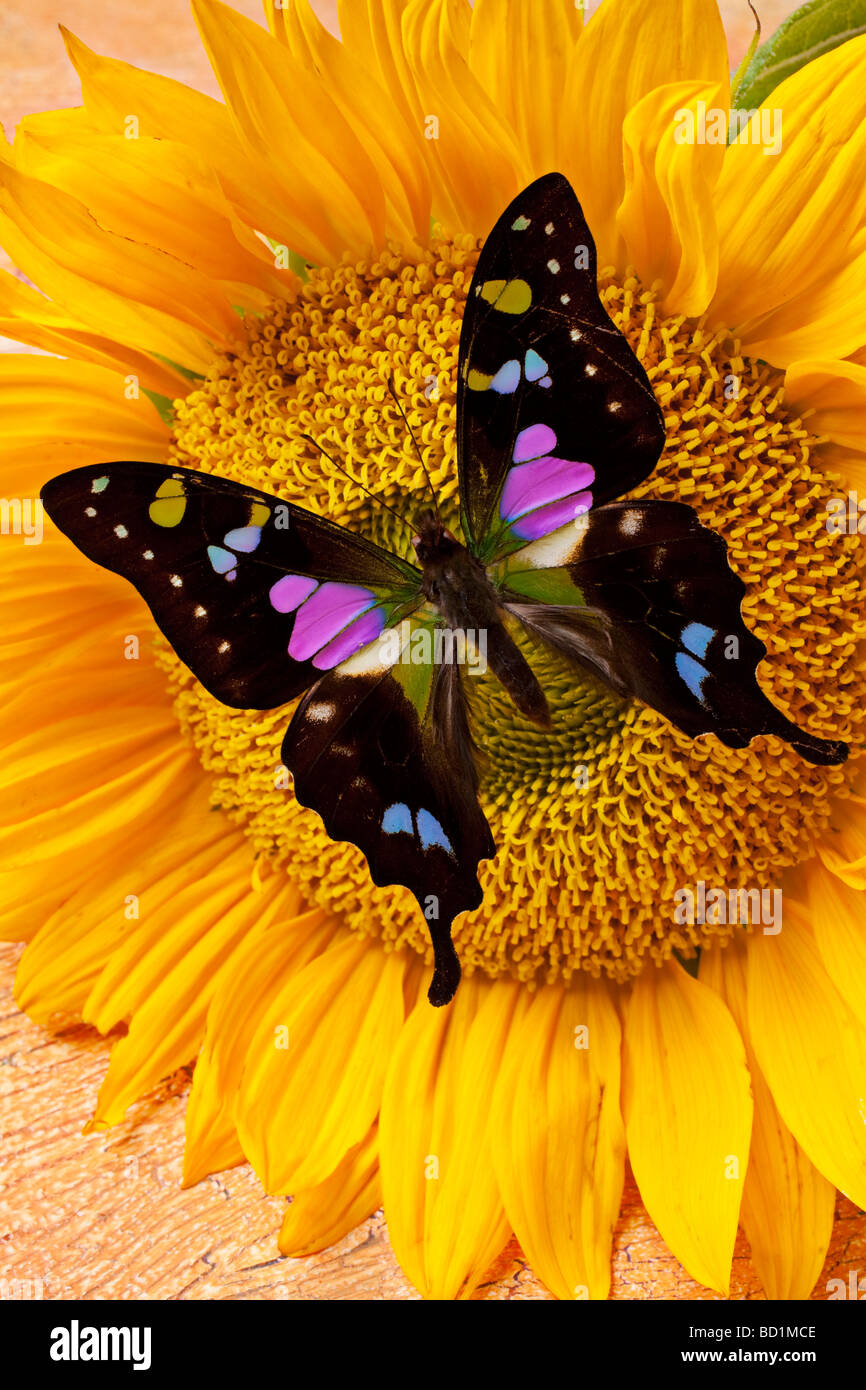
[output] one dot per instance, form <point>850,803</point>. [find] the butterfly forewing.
<point>554,412</point>
<point>257,596</point>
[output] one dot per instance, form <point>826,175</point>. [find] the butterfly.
<point>556,421</point>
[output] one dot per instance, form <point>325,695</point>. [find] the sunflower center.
<point>602,820</point>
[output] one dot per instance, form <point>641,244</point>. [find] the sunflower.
<point>216,279</point>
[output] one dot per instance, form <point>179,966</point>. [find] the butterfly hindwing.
<point>555,413</point>
<point>381,749</point>
<point>257,596</point>
<point>643,594</point>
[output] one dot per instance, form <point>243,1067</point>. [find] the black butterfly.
<point>265,601</point>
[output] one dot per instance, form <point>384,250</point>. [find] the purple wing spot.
<point>289,592</point>
<point>546,381</point>
<point>532,485</point>
<point>325,613</point>
<point>363,630</point>
<point>540,523</point>
<point>533,442</point>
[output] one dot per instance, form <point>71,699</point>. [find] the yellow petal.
<point>688,1113</point>
<point>316,1064</point>
<point>812,1051</point>
<point>629,48</point>
<point>557,1136</point>
<point>60,226</point>
<point>522,65</point>
<point>394,147</point>
<point>445,1216</point>
<point>785,218</point>
<point>286,117</point>
<point>464,132</point>
<point>169,110</point>
<point>666,218</point>
<point>836,916</point>
<point>256,972</point>
<point>787,1210</point>
<point>67,413</point>
<point>842,847</point>
<point>163,977</point>
<point>28,317</point>
<point>373,29</point>
<point>836,392</point>
<point>156,192</point>
<point>78,938</point>
<point>320,1216</point>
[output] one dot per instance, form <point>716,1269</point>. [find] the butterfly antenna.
<point>372,495</point>
<point>395,399</point>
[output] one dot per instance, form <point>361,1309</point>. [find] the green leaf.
<point>817,27</point>
<point>176,366</point>
<point>163,405</point>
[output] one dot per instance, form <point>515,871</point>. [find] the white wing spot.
<point>320,711</point>
<point>549,229</point>
<point>90,511</point>
<point>590,369</point>
<point>223,647</point>
<point>177,581</point>
<point>121,532</point>
<point>553,267</point>
<point>565,299</point>
<point>630,523</point>
<point>147,555</point>
<point>576,335</point>
<point>201,612</point>
<point>614,406</point>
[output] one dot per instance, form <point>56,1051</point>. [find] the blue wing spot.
<point>431,832</point>
<point>99,484</point>
<point>693,673</point>
<point>244,538</point>
<point>221,560</point>
<point>507,379</point>
<point>397,819</point>
<point>534,366</point>
<point>697,637</point>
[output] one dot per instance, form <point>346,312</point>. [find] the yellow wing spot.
<point>478,381</point>
<point>169,505</point>
<point>508,296</point>
<point>492,289</point>
<point>259,514</point>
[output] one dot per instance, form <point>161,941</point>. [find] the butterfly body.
<point>557,423</point>
<point>456,583</point>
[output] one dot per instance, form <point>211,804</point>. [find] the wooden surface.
<point>103,1216</point>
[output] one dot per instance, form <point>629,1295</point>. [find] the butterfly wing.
<point>643,594</point>
<point>261,600</point>
<point>555,413</point>
<point>257,596</point>
<point>381,748</point>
